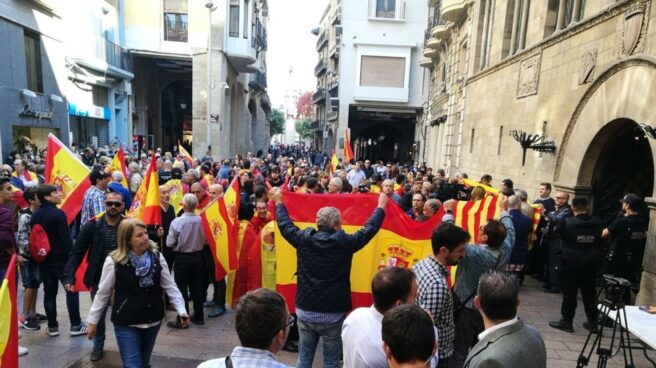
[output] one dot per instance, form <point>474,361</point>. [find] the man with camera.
<point>581,242</point>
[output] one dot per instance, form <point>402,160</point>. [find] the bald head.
<point>216,190</point>
<point>198,191</point>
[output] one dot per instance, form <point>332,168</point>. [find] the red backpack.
<point>39,245</point>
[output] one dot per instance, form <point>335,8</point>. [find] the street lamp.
<point>648,130</point>
<point>210,7</point>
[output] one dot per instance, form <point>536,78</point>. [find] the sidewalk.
<point>187,348</point>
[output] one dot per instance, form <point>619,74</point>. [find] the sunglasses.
<point>113,204</point>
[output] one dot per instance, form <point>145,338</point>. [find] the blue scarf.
<point>143,267</point>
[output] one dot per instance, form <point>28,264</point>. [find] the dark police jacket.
<point>581,238</point>
<point>324,261</point>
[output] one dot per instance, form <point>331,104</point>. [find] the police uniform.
<point>581,244</point>
<point>629,238</point>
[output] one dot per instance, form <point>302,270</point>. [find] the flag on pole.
<point>221,236</point>
<point>348,151</point>
<point>334,161</point>
<point>185,155</point>
<point>118,164</point>
<point>145,206</point>
<point>69,174</point>
<point>9,318</point>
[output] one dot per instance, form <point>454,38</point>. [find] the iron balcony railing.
<point>258,81</point>
<point>320,69</point>
<point>319,95</point>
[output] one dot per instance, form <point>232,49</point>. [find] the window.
<point>233,30</point>
<point>486,17</point>
<point>385,8</point>
<point>382,71</point>
<point>175,20</point>
<point>246,11</point>
<point>471,142</point>
<point>33,62</point>
<point>569,11</point>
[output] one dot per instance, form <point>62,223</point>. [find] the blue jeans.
<point>135,344</point>
<point>99,339</point>
<point>309,333</point>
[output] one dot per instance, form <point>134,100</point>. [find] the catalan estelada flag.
<point>145,206</point>
<point>348,151</point>
<point>118,164</point>
<point>185,155</point>
<point>221,236</point>
<point>9,318</point>
<point>69,174</point>
<point>401,241</point>
<point>334,161</point>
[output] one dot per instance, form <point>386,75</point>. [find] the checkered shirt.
<point>92,204</point>
<point>246,358</point>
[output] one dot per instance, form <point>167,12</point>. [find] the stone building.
<point>579,74</point>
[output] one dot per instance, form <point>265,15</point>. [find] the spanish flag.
<point>8,318</point>
<point>118,164</point>
<point>348,151</point>
<point>262,260</point>
<point>237,284</point>
<point>69,174</point>
<point>145,206</point>
<point>231,195</point>
<point>334,161</point>
<point>176,192</point>
<point>185,155</point>
<point>221,236</point>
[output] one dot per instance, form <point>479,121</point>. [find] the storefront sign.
<point>27,112</point>
<point>91,111</point>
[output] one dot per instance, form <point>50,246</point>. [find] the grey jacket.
<point>507,346</point>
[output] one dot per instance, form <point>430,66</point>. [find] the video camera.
<point>616,287</point>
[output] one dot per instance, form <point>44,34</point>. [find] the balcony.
<point>392,10</point>
<point>258,81</point>
<point>441,31</point>
<point>332,115</point>
<point>315,125</point>
<point>117,56</point>
<point>334,50</point>
<point>241,54</point>
<point>430,52</point>
<point>320,69</point>
<point>100,54</point>
<point>337,15</point>
<point>319,96</point>
<point>322,41</point>
<point>425,62</point>
<point>333,81</point>
<point>259,36</point>
<point>453,10</point>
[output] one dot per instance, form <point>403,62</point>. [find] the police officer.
<point>629,234</point>
<point>581,244</point>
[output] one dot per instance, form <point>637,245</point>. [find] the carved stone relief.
<point>588,63</point>
<point>634,29</point>
<point>529,75</point>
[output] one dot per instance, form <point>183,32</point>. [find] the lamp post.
<point>210,7</point>
<point>647,130</point>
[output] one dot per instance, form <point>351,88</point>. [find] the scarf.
<point>144,267</point>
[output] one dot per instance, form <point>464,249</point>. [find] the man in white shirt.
<point>361,334</point>
<point>356,176</point>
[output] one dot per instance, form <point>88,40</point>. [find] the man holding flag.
<point>324,267</point>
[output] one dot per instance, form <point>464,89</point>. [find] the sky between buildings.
<point>290,44</point>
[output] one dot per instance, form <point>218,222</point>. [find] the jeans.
<point>468,325</point>
<point>29,272</point>
<point>190,277</point>
<point>51,275</point>
<point>309,332</point>
<point>135,344</point>
<point>99,339</point>
<point>575,277</point>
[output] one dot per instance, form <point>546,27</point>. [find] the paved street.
<point>187,348</point>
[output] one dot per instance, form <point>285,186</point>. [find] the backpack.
<point>38,244</point>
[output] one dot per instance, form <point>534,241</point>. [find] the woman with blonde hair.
<point>477,193</point>
<point>138,276</point>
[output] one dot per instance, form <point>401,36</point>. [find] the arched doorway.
<point>618,161</point>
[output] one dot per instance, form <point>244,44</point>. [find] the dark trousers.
<point>190,274</point>
<point>468,325</point>
<point>554,265</point>
<point>537,257</point>
<point>99,339</point>
<point>579,276</point>
<point>219,297</point>
<point>52,275</point>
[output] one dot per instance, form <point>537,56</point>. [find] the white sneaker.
<point>22,350</point>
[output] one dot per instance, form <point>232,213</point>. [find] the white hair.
<point>327,218</point>
<point>514,202</point>
<point>190,202</point>
<point>117,176</point>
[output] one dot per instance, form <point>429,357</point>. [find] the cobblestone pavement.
<point>187,348</point>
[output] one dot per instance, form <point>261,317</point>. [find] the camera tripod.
<point>614,290</point>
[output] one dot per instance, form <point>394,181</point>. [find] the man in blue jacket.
<point>324,268</point>
<point>522,224</point>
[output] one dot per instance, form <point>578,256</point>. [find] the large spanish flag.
<point>8,318</point>
<point>69,174</point>
<point>118,164</point>
<point>221,236</point>
<point>348,151</point>
<point>145,206</point>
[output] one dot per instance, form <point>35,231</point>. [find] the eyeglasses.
<point>113,204</point>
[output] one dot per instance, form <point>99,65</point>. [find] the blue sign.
<point>91,111</point>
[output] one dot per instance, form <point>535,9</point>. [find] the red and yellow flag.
<point>237,284</point>
<point>348,151</point>
<point>334,161</point>
<point>118,164</point>
<point>145,206</point>
<point>232,194</point>
<point>185,155</point>
<point>262,260</point>
<point>9,318</point>
<point>176,192</point>
<point>69,174</point>
<point>221,236</point>
<point>473,184</point>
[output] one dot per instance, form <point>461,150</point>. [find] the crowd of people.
<point>417,319</point>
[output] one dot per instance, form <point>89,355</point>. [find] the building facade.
<point>180,88</point>
<point>547,91</point>
<point>368,78</point>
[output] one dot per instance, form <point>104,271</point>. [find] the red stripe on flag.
<point>79,273</point>
<point>9,358</point>
<point>73,203</point>
<point>219,271</point>
<point>465,215</point>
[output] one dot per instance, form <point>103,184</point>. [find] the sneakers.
<point>78,330</point>
<point>52,331</point>
<point>29,324</point>
<point>562,325</point>
<point>218,311</point>
<point>96,354</point>
<point>40,317</point>
<point>209,304</point>
<point>22,350</point>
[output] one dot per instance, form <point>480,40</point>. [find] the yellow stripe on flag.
<point>5,314</point>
